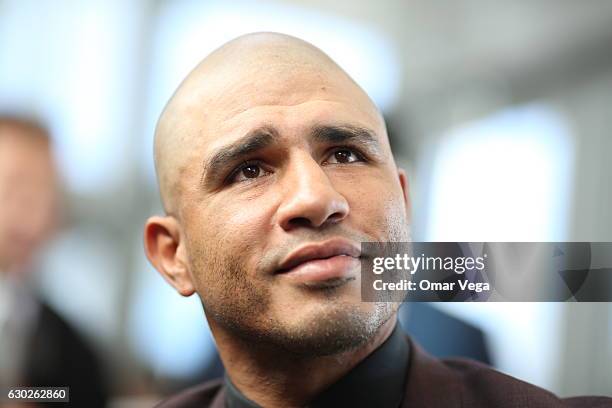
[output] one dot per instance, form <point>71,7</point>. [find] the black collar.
<point>377,381</point>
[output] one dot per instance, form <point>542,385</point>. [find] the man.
<point>273,166</point>
<point>37,347</point>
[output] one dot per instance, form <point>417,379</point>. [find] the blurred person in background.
<point>37,347</point>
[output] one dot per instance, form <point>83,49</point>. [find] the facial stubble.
<point>242,306</point>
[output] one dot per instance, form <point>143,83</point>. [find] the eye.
<point>246,171</point>
<point>251,171</point>
<point>343,155</point>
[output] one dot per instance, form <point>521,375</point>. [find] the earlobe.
<point>403,179</point>
<point>165,250</point>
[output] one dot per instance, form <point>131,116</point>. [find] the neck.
<point>4,265</point>
<point>11,268</point>
<point>273,377</point>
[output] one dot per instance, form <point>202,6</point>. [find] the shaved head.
<point>268,147</point>
<point>251,69</point>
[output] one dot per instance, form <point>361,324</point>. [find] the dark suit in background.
<point>55,355</point>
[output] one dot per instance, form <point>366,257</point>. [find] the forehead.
<point>18,144</point>
<point>290,102</point>
<point>22,145</point>
<point>25,164</point>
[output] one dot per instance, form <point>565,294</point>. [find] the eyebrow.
<point>263,137</point>
<point>346,133</point>
<point>254,141</point>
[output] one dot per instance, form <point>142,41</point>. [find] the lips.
<point>331,259</point>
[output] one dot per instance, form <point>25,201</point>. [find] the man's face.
<point>287,169</point>
<point>27,195</point>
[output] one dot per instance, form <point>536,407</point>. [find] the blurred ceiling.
<point>448,43</point>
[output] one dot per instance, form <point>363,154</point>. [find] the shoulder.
<point>459,382</point>
<point>488,387</point>
<point>52,332</point>
<point>203,395</point>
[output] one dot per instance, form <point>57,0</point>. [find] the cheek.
<point>227,230</point>
<point>378,209</point>
<point>223,244</point>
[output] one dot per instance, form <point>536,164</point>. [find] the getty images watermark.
<point>486,271</point>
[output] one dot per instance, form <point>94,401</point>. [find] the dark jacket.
<point>58,357</point>
<point>433,383</point>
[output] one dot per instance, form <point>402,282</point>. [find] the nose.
<point>309,198</point>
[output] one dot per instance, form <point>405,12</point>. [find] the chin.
<point>328,329</point>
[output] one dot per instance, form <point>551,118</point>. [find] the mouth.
<point>335,259</point>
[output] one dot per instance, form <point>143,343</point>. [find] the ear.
<point>166,252</point>
<point>403,179</point>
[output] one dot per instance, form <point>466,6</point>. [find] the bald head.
<point>234,82</point>
<point>267,147</point>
